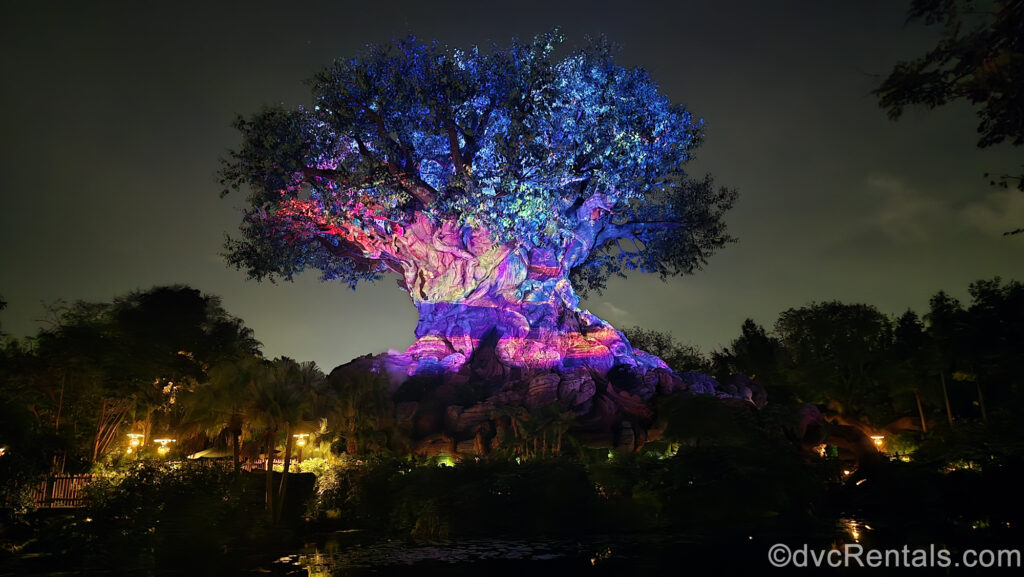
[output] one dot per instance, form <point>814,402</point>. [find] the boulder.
<point>434,445</point>
<point>743,387</point>
<point>668,382</point>
<point>699,383</point>
<point>576,388</point>
<point>581,352</point>
<point>633,380</point>
<point>468,448</point>
<point>542,390</point>
<point>443,391</point>
<point>453,362</point>
<point>474,415</point>
<point>405,413</point>
<point>430,346</point>
<point>529,354</point>
<point>451,417</point>
<point>626,439</point>
<point>812,427</point>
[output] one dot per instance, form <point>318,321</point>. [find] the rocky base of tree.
<point>605,392</point>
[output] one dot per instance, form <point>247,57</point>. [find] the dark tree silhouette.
<point>980,59</point>
<point>994,342</point>
<point>754,353</point>
<point>840,354</point>
<point>680,358</point>
<point>129,358</point>
<point>909,360</point>
<point>945,329</point>
<point>485,181</point>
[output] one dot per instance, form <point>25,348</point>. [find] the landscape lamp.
<point>163,449</point>
<point>134,441</point>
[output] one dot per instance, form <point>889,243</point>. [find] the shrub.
<point>164,514</point>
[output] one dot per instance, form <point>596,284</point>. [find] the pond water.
<point>353,554</point>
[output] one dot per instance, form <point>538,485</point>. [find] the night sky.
<point>114,117</point>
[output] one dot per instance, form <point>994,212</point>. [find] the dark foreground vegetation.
<point>737,493</point>
<point>878,430</point>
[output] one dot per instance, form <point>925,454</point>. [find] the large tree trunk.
<point>269,442</point>
<point>501,323</point>
<point>112,414</point>
<point>289,440</point>
<point>920,411</point>
<point>235,429</point>
<point>471,292</point>
<point>945,396</point>
<point>981,401</point>
<point>236,462</point>
<point>351,444</point>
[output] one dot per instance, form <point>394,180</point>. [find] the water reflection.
<point>850,530</point>
<point>343,555</point>
<point>356,554</point>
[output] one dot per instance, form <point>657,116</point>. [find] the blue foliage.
<point>511,139</point>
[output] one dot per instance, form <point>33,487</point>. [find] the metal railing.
<point>261,464</point>
<point>55,491</point>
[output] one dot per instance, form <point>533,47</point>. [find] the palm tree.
<point>543,428</point>
<point>222,404</point>
<point>361,406</point>
<point>305,380</point>
<point>518,418</point>
<point>278,402</point>
<point>558,423</point>
<point>268,401</point>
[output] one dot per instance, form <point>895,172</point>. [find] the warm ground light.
<point>824,462</point>
<point>519,430</point>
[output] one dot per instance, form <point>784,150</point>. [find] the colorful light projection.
<point>485,181</point>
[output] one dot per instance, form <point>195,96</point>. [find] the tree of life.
<point>498,185</point>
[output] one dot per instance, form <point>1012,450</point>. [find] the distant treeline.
<point>172,360</point>
<point>964,362</point>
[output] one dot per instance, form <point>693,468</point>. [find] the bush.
<point>431,499</point>
<point>163,514</point>
<point>25,457</point>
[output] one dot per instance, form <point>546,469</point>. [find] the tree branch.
<point>409,182</point>
<point>453,147</point>
<point>612,231</point>
<point>472,143</point>
<point>354,252</point>
<point>329,174</point>
<point>382,133</point>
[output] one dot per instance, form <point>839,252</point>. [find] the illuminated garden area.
<point>101,458</point>
<point>507,191</point>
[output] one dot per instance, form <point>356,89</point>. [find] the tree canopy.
<point>678,356</point>
<point>979,59</point>
<point>102,362</point>
<point>3,305</point>
<point>578,154</point>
